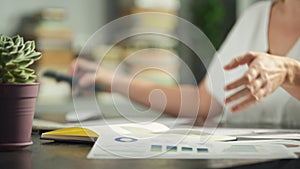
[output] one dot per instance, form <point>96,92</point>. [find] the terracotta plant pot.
<point>17,106</point>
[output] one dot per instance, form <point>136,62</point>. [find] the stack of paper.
<point>155,140</point>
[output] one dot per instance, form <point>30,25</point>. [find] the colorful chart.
<point>171,148</point>
<point>125,139</point>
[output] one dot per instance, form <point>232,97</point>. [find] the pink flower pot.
<point>17,105</point>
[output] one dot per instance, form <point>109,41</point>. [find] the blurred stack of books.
<point>54,38</point>
<point>152,56</point>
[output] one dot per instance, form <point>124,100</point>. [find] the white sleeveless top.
<point>250,33</point>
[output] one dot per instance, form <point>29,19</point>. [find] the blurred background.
<point>61,28</point>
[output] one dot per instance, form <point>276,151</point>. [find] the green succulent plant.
<point>15,59</point>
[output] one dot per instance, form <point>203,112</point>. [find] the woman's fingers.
<point>241,60</point>
<point>239,82</point>
<point>248,77</point>
<point>83,65</point>
<point>242,93</point>
<point>250,89</point>
<point>244,104</point>
<point>249,101</point>
<point>86,80</point>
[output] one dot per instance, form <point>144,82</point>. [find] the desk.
<point>52,155</point>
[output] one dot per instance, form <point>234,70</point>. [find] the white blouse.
<point>250,33</point>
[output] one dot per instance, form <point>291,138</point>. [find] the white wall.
<point>83,16</point>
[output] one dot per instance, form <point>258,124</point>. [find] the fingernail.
<point>227,101</point>
<point>227,88</point>
<point>230,64</point>
<point>226,67</point>
<point>233,109</point>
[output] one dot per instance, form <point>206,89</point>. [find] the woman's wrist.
<point>292,68</point>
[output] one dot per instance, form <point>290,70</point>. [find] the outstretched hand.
<point>265,74</point>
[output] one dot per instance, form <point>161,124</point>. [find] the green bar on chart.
<point>156,148</point>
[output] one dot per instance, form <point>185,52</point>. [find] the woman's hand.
<point>265,74</point>
<point>87,73</point>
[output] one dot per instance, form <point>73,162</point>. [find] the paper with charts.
<point>155,140</point>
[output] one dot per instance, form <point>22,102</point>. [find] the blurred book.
<point>52,31</point>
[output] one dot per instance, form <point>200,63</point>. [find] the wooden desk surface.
<point>52,155</point>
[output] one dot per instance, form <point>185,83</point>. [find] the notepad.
<point>91,133</point>
<point>73,134</point>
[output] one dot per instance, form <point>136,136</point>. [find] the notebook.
<point>72,134</point>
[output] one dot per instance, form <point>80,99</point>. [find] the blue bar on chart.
<point>187,149</point>
<point>172,148</point>
<point>202,150</point>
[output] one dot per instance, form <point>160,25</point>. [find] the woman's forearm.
<point>184,100</point>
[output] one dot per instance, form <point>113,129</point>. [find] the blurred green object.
<point>215,19</point>
<point>209,16</point>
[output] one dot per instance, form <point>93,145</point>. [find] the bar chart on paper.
<point>147,148</point>
<point>179,149</point>
<point>138,141</point>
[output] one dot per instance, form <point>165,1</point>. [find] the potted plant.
<point>18,91</point>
